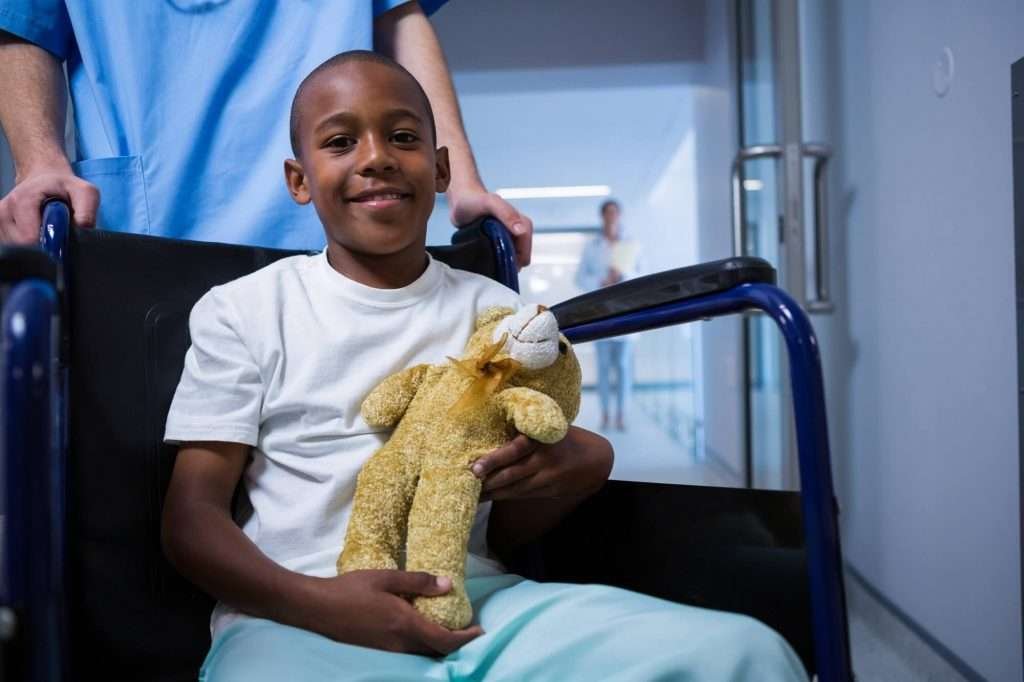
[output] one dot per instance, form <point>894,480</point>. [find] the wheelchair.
<point>94,334</point>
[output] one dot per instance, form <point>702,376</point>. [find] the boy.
<point>279,363</point>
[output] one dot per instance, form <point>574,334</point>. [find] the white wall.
<point>921,356</point>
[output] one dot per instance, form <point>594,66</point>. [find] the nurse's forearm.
<point>405,35</point>
<point>33,106</point>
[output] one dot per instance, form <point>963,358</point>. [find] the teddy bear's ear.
<point>492,315</point>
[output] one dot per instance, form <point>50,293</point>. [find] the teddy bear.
<point>416,496</point>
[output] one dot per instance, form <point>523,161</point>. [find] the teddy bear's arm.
<point>533,414</point>
<point>388,401</point>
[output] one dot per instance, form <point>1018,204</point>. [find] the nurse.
<point>608,259</point>
<point>172,102</point>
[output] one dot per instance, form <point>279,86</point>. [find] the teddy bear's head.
<point>546,361</point>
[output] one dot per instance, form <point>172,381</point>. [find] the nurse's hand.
<point>21,210</point>
<point>468,206</point>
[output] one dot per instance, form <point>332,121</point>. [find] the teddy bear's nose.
<point>532,336</point>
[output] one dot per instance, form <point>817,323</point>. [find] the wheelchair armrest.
<point>670,286</point>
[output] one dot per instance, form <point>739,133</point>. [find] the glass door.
<point>770,222</point>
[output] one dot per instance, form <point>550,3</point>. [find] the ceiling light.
<point>753,185</point>
<point>554,192</point>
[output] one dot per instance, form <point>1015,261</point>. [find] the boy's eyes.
<point>345,142</point>
<point>340,142</point>
<point>404,137</point>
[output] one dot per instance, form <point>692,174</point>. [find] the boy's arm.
<point>405,34</point>
<point>203,542</point>
<point>32,116</point>
<point>367,608</point>
<point>535,485</point>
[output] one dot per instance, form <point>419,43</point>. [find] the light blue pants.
<point>614,356</point>
<point>533,632</point>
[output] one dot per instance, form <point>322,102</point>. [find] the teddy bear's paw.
<point>451,610</point>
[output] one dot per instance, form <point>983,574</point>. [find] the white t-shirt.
<point>281,360</point>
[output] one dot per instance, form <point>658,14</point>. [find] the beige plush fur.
<point>417,491</point>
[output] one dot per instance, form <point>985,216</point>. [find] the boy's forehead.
<point>358,82</point>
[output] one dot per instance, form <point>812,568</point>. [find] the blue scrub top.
<point>181,106</point>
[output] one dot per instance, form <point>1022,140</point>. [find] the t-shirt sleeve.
<point>220,394</point>
<point>42,22</point>
<point>499,295</point>
<point>429,6</point>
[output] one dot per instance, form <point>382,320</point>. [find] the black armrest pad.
<point>669,286</point>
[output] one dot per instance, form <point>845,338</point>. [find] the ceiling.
<point>575,92</point>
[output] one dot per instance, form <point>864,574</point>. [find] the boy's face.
<point>367,160</point>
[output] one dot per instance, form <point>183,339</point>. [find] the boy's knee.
<point>758,652</point>
<point>726,646</point>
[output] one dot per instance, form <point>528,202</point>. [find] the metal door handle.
<point>739,218</point>
<point>822,301</point>
<point>821,153</point>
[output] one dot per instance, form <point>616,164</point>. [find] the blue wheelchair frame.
<point>32,450</point>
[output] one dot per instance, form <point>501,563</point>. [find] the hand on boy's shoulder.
<point>472,205</point>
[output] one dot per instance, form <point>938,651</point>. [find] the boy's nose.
<point>376,157</point>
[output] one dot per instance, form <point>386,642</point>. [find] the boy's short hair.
<point>339,60</point>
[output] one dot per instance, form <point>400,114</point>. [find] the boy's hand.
<point>576,466</point>
<point>469,206</point>
<point>371,608</point>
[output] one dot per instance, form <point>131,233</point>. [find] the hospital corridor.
<point>783,238</point>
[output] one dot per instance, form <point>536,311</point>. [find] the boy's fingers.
<point>505,476</point>
<point>416,582</point>
<point>443,640</point>
<point>534,487</point>
<point>509,453</point>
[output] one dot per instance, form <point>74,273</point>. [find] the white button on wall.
<point>942,72</point>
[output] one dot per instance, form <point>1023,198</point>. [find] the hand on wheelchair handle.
<point>21,210</point>
<point>479,203</point>
<point>374,609</point>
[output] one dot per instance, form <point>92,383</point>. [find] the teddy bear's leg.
<point>376,529</point>
<point>440,521</point>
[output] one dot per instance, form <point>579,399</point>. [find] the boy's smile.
<point>367,162</point>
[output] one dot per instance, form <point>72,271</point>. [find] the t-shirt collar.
<point>380,298</point>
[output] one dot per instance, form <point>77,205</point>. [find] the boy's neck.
<point>392,271</point>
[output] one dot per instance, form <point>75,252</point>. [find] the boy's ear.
<point>442,170</point>
<point>295,178</point>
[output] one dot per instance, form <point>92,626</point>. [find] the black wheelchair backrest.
<point>130,298</point>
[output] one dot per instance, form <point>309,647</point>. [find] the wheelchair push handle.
<point>54,229</point>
